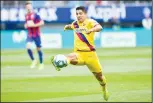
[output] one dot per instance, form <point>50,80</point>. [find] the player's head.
<point>29,7</point>
<point>81,13</point>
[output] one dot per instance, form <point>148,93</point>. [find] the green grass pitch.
<point>127,70</point>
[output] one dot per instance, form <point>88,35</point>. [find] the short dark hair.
<point>28,2</point>
<point>81,8</point>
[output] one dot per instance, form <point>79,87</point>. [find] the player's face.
<point>29,8</point>
<point>81,16</point>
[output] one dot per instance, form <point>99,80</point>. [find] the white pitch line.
<point>80,98</point>
<point>96,97</point>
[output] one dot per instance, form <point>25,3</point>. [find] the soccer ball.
<point>60,61</point>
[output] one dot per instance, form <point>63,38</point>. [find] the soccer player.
<point>33,23</point>
<point>84,50</point>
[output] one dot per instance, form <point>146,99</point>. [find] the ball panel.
<point>60,60</point>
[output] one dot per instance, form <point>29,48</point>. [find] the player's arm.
<point>68,27</point>
<point>32,24</point>
<point>38,24</point>
<point>96,27</point>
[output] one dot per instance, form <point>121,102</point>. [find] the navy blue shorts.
<point>37,40</point>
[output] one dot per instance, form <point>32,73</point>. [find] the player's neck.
<point>82,21</point>
<point>31,11</point>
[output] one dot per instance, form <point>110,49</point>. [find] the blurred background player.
<point>33,23</point>
<point>84,49</point>
<point>147,21</point>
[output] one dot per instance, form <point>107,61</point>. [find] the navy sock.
<point>40,56</point>
<point>30,54</point>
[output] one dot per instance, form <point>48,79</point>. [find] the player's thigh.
<point>37,41</point>
<point>75,59</point>
<point>94,66</point>
<point>93,63</point>
<point>29,42</point>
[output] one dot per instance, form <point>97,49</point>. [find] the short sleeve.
<point>94,23</point>
<point>37,17</point>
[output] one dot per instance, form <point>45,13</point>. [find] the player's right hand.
<point>30,23</point>
<point>67,27</point>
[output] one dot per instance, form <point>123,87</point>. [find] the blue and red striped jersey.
<point>33,31</point>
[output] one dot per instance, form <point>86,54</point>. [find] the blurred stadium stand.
<point>123,16</point>
<point>71,4</point>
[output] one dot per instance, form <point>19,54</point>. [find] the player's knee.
<point>72,58</point>
<point>38,48</point>
<point>28,46</point>
<point>74,62</point>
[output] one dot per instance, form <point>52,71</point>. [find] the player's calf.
<point>73,61</point>
<point>100,78</point>
<point>102,81</point>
